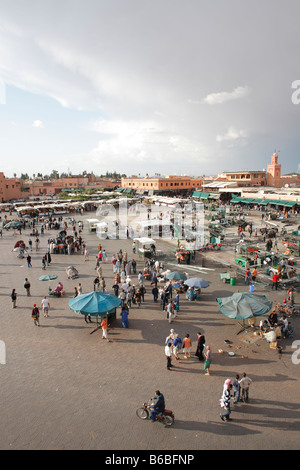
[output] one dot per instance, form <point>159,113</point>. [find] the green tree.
<point>54,175</point>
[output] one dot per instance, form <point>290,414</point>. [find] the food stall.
<point>92,224</point>
<point>146,247</point>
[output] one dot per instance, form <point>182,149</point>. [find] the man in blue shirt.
<point>177,343</point>
<point>158,405</point>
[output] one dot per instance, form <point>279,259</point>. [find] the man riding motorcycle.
<point>158,405</point>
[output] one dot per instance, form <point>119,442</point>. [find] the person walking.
<point>236,389</point>
<point>104,328</point>
<point>225,403</point>
<point>45,305</point>
<point>142,290</point>
<point>207,363</point>
<point>170,311</point>
<point>177,343</point>
<point>124,314</point>
<point>137,297</point>
<point>13,297</point>
<point>155,293</point>
<point>275,281</point>
<point>200,346</point>
<point>102,284</point>
<point>129,296</point>
<point>245,383</point>
<point>48,257</point>
<point>291,295</point>
<point>254,274</point>
<point>247,277</point>
<point>122,297</point>
<point>27,287</point>
<point>176,302</point>
<point>28,259</point>
<point>35,313</point>
<point>133,264</point>
<point>116,289</point>
<point>168,353</point>
<point>96,283</point>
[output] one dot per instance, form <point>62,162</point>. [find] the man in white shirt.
<point>168,353</point>
<point>45,306</point>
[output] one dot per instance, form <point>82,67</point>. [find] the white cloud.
<point>38,123</point>
<point>225,96</point>
<point>232,135</point>
<point>105,59</point>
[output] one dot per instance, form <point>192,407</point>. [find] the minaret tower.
<point>274,172</point>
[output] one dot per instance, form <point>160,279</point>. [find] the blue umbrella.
<point>242,305</point>
<point>94,303</point>
<point>197,282</point>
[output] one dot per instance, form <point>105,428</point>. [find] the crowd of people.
<point>174,344</point>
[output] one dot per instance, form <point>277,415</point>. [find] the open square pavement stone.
<point>65,388</point>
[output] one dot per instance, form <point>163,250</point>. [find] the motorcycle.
<point>167,417</point>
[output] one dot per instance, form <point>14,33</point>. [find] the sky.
<point>148,86</point>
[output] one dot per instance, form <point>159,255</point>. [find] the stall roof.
<point>145,241</point>
<point>201,195</point>
<point>93,221</point>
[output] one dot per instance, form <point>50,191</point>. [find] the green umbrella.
<point>176,276</point>
<point>48,277</point>
<point>13,225</point>
<point>243,305</point>
<point>94,303</point>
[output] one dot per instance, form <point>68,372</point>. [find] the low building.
<point>246,178</point>
<point>10,188</point>
<point>162,184</point>
<point>55,186</point>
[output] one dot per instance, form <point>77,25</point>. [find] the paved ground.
<point>63,388</point>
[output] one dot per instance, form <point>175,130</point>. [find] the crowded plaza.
<point>98,315</point>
